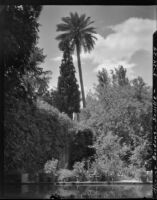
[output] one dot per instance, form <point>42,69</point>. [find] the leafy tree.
<point>79,171</point>
<point>68,89</point>
<point>103,78</point>
<point>35,82</point>
<point>78,33</point>
<point>107,162</point>
<point>119,76</point>
<point>19,37</point>
<point>140,89</point>
<point>116,107</point>
<point>141,155</point>
<point>24,80</point>
<point>51,97</point>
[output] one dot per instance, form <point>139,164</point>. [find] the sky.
<point>124,37</point>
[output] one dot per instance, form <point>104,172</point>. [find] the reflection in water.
<point>88,191</point>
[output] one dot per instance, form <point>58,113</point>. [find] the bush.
<point>66,175</point>
<point>141,174</point>
<point>149,175</point>
<point>81,144</point>
<point>50,166</point>
<point>130,171</point>
<point>95,172</point>
<point>33,136</point>
<point>104,169</point>
<point>79,171</point>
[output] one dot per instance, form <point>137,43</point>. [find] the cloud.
<point>118,47</point>
<point>127,38</point>
<point>56,59</point>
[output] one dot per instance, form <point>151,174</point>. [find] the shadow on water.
<point>45,191</point>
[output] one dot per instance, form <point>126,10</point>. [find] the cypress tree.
<point>68,88</point>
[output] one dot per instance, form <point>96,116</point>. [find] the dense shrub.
<point>51,166</point>
<point>32,136</point>
<point>141,174</point>
<point>103,171</point>
<point>95,173</point>
<point>107,163</point>
<point>66,175</point>
<point>80,171</point>
<point>81,144</point>
<point>128,171</point>
<point>150,175</point>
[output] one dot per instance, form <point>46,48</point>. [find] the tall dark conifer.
<point>68,88</point>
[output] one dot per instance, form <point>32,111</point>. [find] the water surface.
<point>44,191</point>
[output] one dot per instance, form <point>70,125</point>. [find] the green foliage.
<point>80,171</point>
<point>51,97</point>
<point>103,78</point>
<point>81,144</point>
<point>119,76</point>
<point>23,78</point>
<point>108,156</point>
<point>76,31</point>
<point>108,146</point>
<point>122,108</point>
<point>140,154</point>
<point>125,154</point>
<point>36,132</point>
<point>19,39</point>
<point>29,132</point>
<point>33,136</point>
<point>129,171</point>
<point>35,82</point>
<point>141,174</point>
<point>51,166</point>
<point>106,164</point>
<point>68,95</point>
<point>21,144</point>
<point>66,175</point>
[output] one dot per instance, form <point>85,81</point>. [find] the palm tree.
<point>77,32</point>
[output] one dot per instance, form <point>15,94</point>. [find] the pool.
<point>44,191</point>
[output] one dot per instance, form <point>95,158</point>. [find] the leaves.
<point>67,95</point>
<point>76,30</point>
<point>33,136</point>
<point>115,107</point>
<point>21,55</point>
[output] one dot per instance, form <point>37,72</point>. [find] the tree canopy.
<point>68,89</point>
<point>122,107</point>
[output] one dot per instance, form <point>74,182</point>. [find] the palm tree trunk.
<point>80,74</point>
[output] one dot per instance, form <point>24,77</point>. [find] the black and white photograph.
<point>77,86</point>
